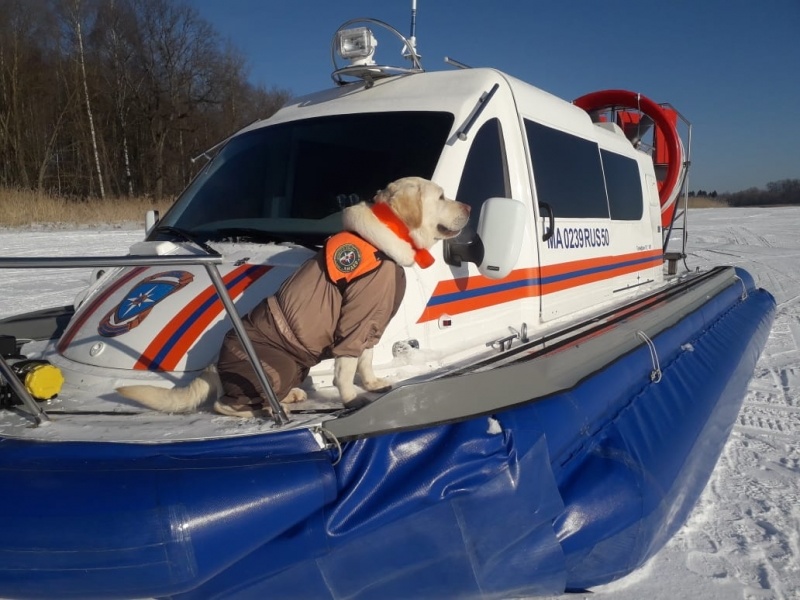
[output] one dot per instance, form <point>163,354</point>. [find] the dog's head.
<point>423,207</point>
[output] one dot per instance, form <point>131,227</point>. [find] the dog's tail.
<point>205,388</point>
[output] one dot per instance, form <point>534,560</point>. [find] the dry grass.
<point>706,202</point>
<point>26,208</point>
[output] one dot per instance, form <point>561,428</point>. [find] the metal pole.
<point>22,393</point>
<point>71,262</point>
<point>277,410</point>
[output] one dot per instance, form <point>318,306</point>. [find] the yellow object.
<point>43,381</point>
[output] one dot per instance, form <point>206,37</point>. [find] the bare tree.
<point>75,16</point>
<point>16,32</point>
<point>180,49</point>
<point>117,30</point>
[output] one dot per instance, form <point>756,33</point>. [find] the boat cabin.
<point>573,222</point>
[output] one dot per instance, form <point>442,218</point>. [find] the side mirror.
<point>465,247</point>
<point>500,228</point>
<point>150,220</point>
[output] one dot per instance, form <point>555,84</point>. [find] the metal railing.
<point>682,201</point>
<point>209,262</point>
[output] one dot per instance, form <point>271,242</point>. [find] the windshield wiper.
<point>186,236</point>
<point>259,236</point>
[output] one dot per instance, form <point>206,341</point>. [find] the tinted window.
<point>287,177</point>
<point>624,186</point>
<point>567,172</point>
<point>485,171</point>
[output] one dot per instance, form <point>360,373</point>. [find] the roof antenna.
<point>411,48</point>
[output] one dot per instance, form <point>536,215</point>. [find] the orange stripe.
<point>452,286</point>
<point>593,263</point>
<point>146,359</point>
<point>466,284</point>
<point>558,286</point>
<point>461,306</point>
<point>198,326</point>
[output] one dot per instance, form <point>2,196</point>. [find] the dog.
<point>337,304</point>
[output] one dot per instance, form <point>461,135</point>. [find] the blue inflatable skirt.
<point>562,493</point>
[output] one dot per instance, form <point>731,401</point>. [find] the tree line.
<point>777,193</point>
<point>115,97</point>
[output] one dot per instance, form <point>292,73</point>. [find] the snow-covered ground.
<point>743,538</point>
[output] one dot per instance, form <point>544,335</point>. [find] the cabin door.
<point>470,310</point>
<point>573,220</point>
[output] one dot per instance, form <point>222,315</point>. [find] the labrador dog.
<point>337,304</point>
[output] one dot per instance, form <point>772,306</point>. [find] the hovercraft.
<point>561,394</point>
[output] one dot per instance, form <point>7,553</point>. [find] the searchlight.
<point>356,45</point>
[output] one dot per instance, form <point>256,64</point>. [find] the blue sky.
<point>732,67</point>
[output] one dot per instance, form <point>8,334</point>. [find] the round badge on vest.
<point>347,257</point>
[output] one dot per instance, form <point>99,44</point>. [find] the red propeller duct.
<point>608,99</point>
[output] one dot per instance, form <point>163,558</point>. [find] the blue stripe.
<point>593,270</point>
<point>165,349</point>
<point>493,289</point>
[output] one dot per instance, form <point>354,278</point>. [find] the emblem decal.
<point>142,298</point>
<point>347,258</point>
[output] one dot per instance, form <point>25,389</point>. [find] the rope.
<point>744,287</point>
<point>332,441</point>
<point>655,374</point>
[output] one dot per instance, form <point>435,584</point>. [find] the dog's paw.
<point>295,395</point>
<point>356,403</point>
<point>347,393</point>
<point>377,385</point>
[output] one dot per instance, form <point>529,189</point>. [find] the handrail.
<point>684,193</point>
<point>209,262</point>
<point>132,260</point>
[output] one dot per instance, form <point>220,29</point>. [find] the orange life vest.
<point>348,257</point>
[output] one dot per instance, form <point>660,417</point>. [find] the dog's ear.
<point>406,200</point>
<point>384,194</point>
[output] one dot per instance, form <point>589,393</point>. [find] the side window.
<point>567,172</point>
<point>624,186</point>
<point>485,171</point>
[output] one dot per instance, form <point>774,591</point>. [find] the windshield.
<point>289,182</point>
